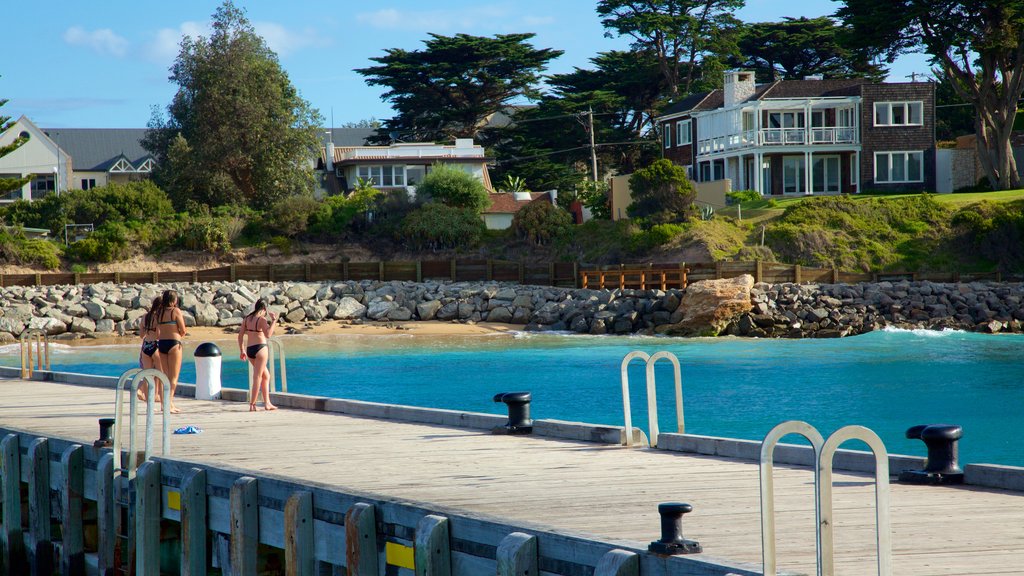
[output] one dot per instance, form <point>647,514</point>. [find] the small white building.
<point>61,159</point>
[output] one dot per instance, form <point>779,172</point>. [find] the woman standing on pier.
<point>259,330</point>
<point>170,330</point>
<point>148,356</point>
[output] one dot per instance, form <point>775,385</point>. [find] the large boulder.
<point>709,305</point>
<point>206,314</point>
<point>300,292</point>
<point>348,308</point>
<point>51,326</point>
<point>428,310</point>
<point>379,309</point>
<point>83,325</point>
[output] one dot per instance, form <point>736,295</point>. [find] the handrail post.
<point>768,445</point>
<point>826,526</point>
<point>625,391</point>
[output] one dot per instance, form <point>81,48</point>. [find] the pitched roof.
<point>812,88</point>
<point>505,202</point>
<point>346,136</point>
<point>97,149</point>
<point>689,103</point>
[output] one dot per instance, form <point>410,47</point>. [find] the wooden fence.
<point>564,274</point>
<point>539,273</point>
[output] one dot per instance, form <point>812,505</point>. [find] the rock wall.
<point>735,307</point>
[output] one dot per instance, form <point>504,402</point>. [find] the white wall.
<point>37,156</point>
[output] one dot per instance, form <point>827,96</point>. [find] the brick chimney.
<point>739,86</point>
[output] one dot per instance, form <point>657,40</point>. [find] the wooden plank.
<point>72,557</point>
<point>517,555</point>
<point>432,548</point>
<point>105,508</point>
<point>40,552</point>
<point>12,544</point>
<point>618,563</point>
<point>361,540</point>
<point>147,519</point>
<point>298,534</point>
<point>193,523</point>
<point>244,527</point>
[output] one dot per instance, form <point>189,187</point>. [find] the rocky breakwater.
<point>734,306</point>
<point>837,310</point>
<point>68,312</point>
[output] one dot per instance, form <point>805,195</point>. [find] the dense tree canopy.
<point>978,44</point>
<point>9,184</point>
<point>549,145</point>
<point>237,130</point>
<point>451,87</point>
<point>662,193</point>
<point>685,36</point>
<point>799,47</point>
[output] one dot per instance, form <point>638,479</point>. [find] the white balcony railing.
<point>415,152</point>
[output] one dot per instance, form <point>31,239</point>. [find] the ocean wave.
<point>923,332</point>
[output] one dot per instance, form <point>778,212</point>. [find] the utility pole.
<point>593,150</point>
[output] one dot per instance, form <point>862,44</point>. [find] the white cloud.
<point>164,46</point>
<point>102,41</point>
<point>284,41</point>
<point>437,20</point>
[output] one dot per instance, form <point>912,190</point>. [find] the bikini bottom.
<point>166,346</point>
<point>252,351</point>
<point>149,347</point>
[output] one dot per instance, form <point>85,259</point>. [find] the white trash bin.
<point>208,358</point>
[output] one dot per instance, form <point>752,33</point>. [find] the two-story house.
<point>811,136</point>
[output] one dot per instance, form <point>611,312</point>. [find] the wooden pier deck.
<point>609,492</point>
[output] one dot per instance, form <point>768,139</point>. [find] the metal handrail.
<point>652,404</point>
<point>273,343</point>
<point>826,524</point>
<point>42,341</point>
<point>768,445</point>
<point>137,376</point>
<point>824,452</point>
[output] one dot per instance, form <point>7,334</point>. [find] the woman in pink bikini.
<point>258,330</point>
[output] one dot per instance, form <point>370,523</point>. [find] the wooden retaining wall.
<point>564,274</point>
<point>248,524</point>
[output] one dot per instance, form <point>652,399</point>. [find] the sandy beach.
<point>331,327</point>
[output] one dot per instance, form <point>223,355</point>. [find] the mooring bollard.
<point>672,541</point>
<point>942,466</point>
<point>105,441</point>
<point>207,356</point>
<point>519,421</point>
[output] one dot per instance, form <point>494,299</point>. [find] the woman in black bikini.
<point>170,329</point>
<point>148,356</point>
<point>258,329</point>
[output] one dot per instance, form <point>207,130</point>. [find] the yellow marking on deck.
<point>400,555</point>
<point>174,500</point>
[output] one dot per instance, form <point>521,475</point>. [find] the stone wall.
<point>781,310</point>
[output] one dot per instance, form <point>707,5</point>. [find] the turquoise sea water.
<point>887,381</point>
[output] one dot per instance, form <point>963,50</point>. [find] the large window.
<point>794,175</point>
<point>667,134</point>
<point>785,119</point>
<point>383,176</point>
<point>42,185</point>
<point>825,174</point>
<point>88,183</point>
<point>683,136</point>
<point>899,167</point>
<point>898,113</point>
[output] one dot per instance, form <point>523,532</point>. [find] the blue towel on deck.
<point>189,430</point>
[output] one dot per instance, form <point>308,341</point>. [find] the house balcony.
<point>771,137</point>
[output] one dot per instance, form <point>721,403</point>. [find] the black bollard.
<point>105,441</point>
<point>519,421</point>
<point>942,466</point>
<point>672,541</point>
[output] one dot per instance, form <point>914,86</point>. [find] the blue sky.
<point>69,63</point>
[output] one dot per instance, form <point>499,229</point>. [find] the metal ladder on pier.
<point>272,345</point>
<point>41,359</point>
<point>123,559</point>
<point>652,400</point>
<point>824,453</point>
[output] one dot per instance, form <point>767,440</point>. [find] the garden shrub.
<point>541,222</point>
<point>662,193</point>
<point>737,196</point>
<point>15,248</point>
<point>110,242</point>
<point>655,237</point>
<point>205,234</point>
<point>290,216</point>
<point>437,226</point>
<point>454,187</point>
